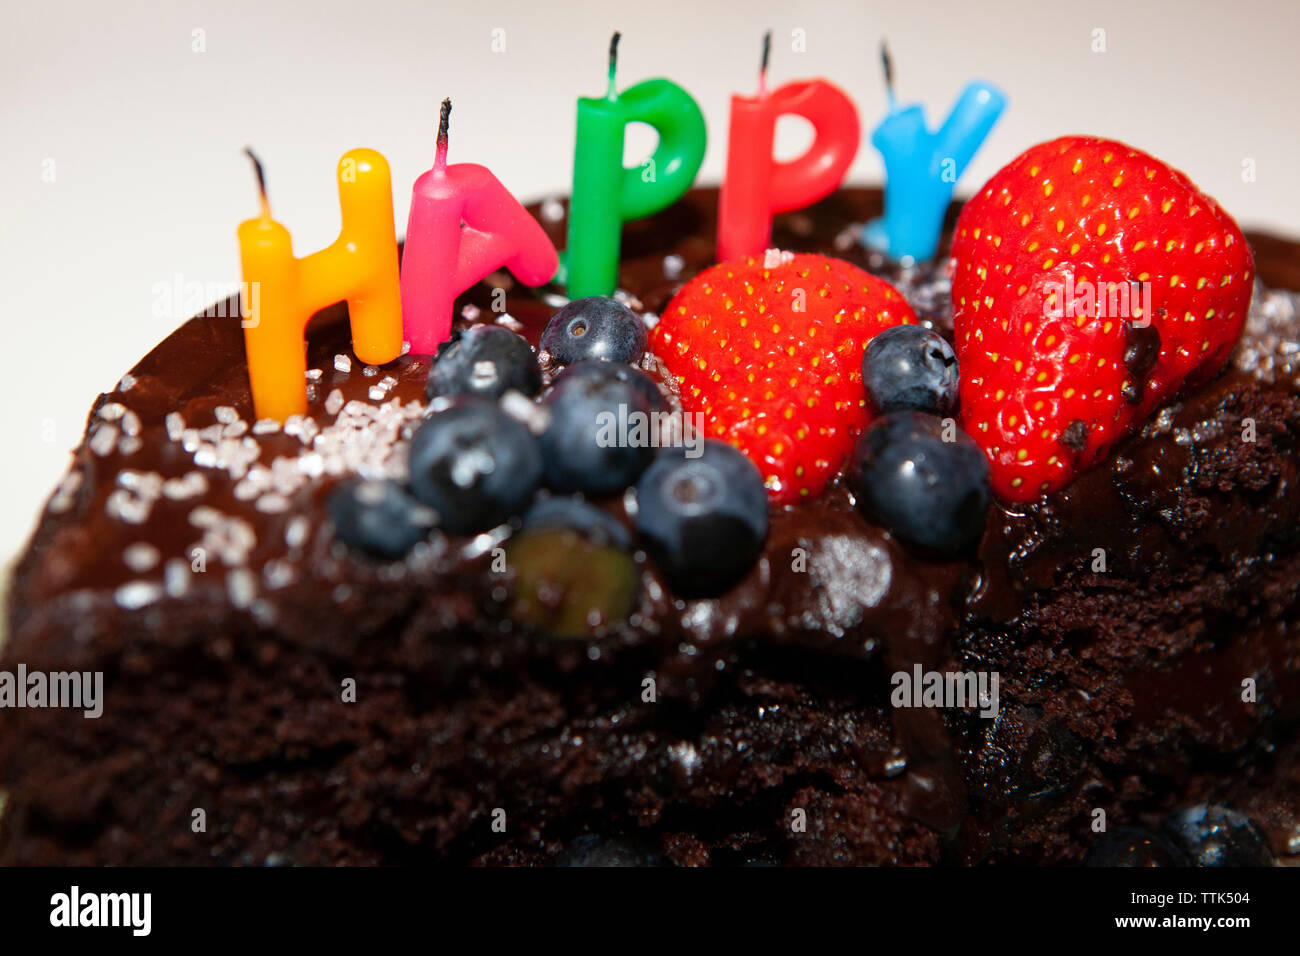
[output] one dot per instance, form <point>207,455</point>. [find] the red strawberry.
<point>1160,278</point>
<point>769,349</point>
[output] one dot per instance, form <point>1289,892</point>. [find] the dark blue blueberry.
<point>475,465</point>
<point>609,371</point>
<point>704,519</point>
<point>607,851</point>
<point>378,517</point>
<point>1134,847</point>
<point>910,367</point>
<point>594,328</point>
<point>1216,836</point>
<point>485,360</point>
<point>930,492</point>
<point>589,444</point>
<point>577,515</point>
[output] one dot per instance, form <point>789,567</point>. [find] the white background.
<point>144,133</point>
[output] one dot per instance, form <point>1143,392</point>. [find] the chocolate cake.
<point>320,706</point>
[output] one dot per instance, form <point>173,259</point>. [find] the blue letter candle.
<point>922,169</point>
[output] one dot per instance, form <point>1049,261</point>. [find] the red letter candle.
<point>463,225</point>
<point>756,185</point>
<point>285,292</point>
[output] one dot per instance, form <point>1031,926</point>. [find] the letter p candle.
<point>756,185</point>
<point>605,194</point>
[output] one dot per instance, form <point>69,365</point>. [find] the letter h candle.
<point>359,267</point>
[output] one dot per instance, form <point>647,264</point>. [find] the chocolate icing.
<point>861,584</point>
<point>1181,501</point>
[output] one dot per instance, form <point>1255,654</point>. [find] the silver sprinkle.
<point>104,440</point>
<point>176,577</point>
<point>241,586</point>
<point>175,425</point>
<point>272,503</point>
<point>552,210</point>
<point>296,532</point>
<point>140,557</point>
<point>137,594</point>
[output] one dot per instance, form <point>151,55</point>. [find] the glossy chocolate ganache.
<point>1199,531</point>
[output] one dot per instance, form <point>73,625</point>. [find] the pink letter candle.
<point>463,226</point>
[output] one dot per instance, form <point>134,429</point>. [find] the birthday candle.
<point>922,168</point>
<point>285,292</point>
<point>756,185</point>
<point>605,195</point>
<point>463,226</point>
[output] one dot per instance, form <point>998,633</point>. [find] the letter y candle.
<point>922,168</point>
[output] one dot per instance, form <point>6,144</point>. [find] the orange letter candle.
<point>359,267</point>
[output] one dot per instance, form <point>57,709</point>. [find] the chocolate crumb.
<point>1141,349</point>
<point>1075,435</point>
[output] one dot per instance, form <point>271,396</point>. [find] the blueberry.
<point>930,492</point>
<point>1134,847</point>
<point>571,569</point>
<point>910,367</point>
<point>378,517</point>
<point>1216,836</point>
<point>703,519</point>
<point>475,465</point>
<point>484,360</point>
<point>607,851</point>
<point>611,372</point>
<point>575,514</point>
<point>589,445</point>
<point>594,328</point>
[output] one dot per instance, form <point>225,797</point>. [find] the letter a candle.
<point>284,292</point>
<point>756,185</point>
<point>463,226</point>
<point>605,194</point>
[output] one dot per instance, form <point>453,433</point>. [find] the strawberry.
<point>1091,282</point>
<point>769,349</point>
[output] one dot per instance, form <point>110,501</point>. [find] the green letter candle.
<point>605,194</point>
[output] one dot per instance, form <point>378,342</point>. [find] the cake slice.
<point>272,696</point>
